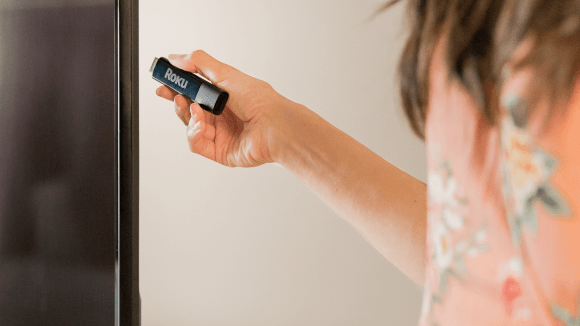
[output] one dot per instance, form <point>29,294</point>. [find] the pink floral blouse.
<point>503,241</point>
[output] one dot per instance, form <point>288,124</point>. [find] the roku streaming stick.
<point>209,97</point>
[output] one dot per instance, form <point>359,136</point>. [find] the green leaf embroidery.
<point>549,162</point>
<point>563,315</point>
<point>552,200</point>
<point>443,282</point>
<point>483,248</point>
<point>529,215</point>
<point>437,299</point>
<point>460,265</point>
<point>517,109</point>
<point>560,313</point>
<point>546,194</point>
<point>515,223</point>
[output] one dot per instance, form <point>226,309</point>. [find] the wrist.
<point>286,123</point>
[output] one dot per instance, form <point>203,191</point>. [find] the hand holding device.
<point>210,97</point>
<point>245,133</point>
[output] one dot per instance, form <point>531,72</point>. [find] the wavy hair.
<point>482,35</point>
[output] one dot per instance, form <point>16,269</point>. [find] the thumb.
<point>202,63</point>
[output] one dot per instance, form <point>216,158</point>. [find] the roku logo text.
<point>174,78</point>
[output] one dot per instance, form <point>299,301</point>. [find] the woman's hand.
<point>386,205</point>
<point>243,135</point>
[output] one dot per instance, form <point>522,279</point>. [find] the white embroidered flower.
<point>453,220</point>
<point>514,267</point>
<point>439,192</point>
<point>435,187</point>
<point>481,235</point>
<point>443,246</point>
<point>523,314</point>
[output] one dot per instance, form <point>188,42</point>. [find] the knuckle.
<point>265,85</point>
<point>261,86</point>
<point>264,91</point>
<point>198,53</point>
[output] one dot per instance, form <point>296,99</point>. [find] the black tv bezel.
<point>128,305</point>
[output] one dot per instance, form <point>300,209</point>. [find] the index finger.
<point>202,63</point>
<point>166,92</point>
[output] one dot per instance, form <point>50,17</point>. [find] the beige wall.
<point>223,246</point>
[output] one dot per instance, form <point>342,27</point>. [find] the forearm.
<point>384,204</point>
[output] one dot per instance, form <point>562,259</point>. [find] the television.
<point>69,162</point>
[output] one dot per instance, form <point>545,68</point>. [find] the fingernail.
<point>173,56</point>
<point>158,91</point>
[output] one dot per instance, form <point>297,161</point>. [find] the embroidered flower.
<point>510,274</point>
<point>443,247</point>
<point>442,192</point>
<point>511,289</point>
<point>524,313</point>
<point>446,224</point>
<point>452,220</point>
<point>481,235</point>
<point>477,245</point>
<point>514,267</point>
<point>523,166</point>
<point>526,172</point>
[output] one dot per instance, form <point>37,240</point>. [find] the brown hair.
<point>482,35</point>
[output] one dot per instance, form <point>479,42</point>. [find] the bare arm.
<point>383,203</point>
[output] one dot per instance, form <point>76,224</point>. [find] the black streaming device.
<point>209,96</point>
